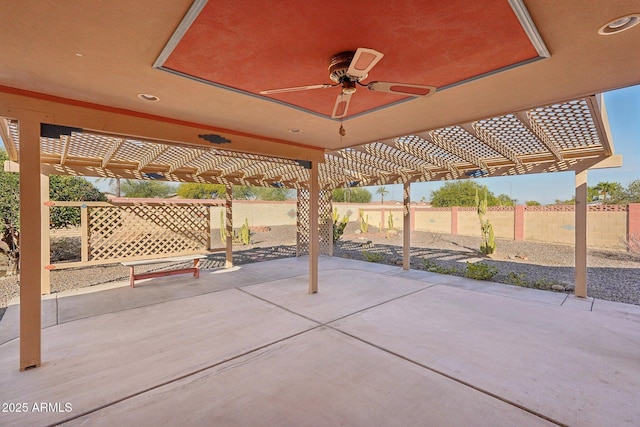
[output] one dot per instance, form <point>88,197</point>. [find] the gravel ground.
<point>612,275</point>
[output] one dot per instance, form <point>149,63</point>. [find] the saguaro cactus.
<point>364,221</point>
<point>488,245</point>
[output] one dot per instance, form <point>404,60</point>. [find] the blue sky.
<point>623,109</point>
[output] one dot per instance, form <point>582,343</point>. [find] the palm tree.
<point>113,183</point>
<point>382,191</point>
<point>605,188</point>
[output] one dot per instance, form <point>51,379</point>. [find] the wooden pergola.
<point>569,136</point>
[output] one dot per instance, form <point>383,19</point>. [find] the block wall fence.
<point>607,224</point>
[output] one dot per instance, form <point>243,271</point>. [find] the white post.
<point>314,235</point>
<point>30,245</point>
<point>581,235</point>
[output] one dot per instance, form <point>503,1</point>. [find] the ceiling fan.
<point>348,69</point>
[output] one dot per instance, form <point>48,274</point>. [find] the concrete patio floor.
<point>377,346</point>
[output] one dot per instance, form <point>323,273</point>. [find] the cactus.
<point>245,233</point>
<point>390,222</point>
<point>223,229</point>
<point>364,221</point>
<point>338,225</point>
<point>488,245</point>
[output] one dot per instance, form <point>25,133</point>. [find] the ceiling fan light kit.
<point>348,69</point>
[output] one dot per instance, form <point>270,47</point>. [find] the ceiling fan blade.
<point>341,106</point>
<point>406,89</point>
<point>363,61</point>
<point>296,89</point>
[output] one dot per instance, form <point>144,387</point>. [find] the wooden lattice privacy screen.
<point>325,222</point>
<point>142,231</point>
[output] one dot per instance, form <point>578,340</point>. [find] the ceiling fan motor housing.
<point>338,66</point>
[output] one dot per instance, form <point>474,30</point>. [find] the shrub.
<point>436,268</point>
<point>518,279</point>
<point>372,256</point>
<point>480,271</point>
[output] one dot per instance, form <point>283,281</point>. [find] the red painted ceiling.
<point>257,45</point>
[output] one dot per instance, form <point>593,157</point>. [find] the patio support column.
<point>581,234</point>
<point>406,227</point>
<point>30,244</point>
<point>314,235</point>
<point>228,210</point>
<point>45,252</point>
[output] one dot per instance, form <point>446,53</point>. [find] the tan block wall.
<point>468,223</point>
<point>502,222</point>
<point>552,227</point>
<point>606,229</point>
<point>258,213</point>
<point>433,221</point>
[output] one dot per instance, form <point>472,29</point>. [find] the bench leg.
<point>131,277</point>
<point>196,266</point>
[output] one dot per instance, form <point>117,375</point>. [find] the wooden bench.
<point>133,264</point>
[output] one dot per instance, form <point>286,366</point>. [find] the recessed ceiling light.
<point>294,130</point>
<point>79,55</point>
<point>619,24</point>
<point>147,97</point>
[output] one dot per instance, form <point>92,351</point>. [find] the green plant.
<point>372,256</point>
<point>364,221</point>
<point>339,225</point>
<point>390,222</point>
<point>433,267</point>
<point>488,245</point>
<point>480,271</point>
<point>518,279</point>
<point>223,229</point>
<point>245,233</point>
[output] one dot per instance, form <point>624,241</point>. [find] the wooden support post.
<point>228,209</point>
<point>454,220</point>
<point>314,235</point>
<point>581,235</point>
<point>30,245</point>
<point>45,250</point>
<point>406,227</point>
<point>84,230</point>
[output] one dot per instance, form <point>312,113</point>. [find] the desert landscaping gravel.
<point>612,275</point>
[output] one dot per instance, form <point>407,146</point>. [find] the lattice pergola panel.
<point>569,125</point>
<point>325,222</point>
<point>147,230</point>
<point>512,133</point>
<point>552,138</point>
<point>461,143</point>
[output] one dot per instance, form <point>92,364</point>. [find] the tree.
<point>63,188</point>
<point>532,203</point>
<point>114,184</point>
<point>460,193</point>
<point>504,200</point>
<point>351,195</point>
<point>271,193</point>
<point>609,190</point>
<point>195,190</point>
<point>70,189</point>
<point>145,188</point>
<point>382,191</point>
<point>9,214</point>
<point>632,192</point>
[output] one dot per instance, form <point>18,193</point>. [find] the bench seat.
<point>133,264</point>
